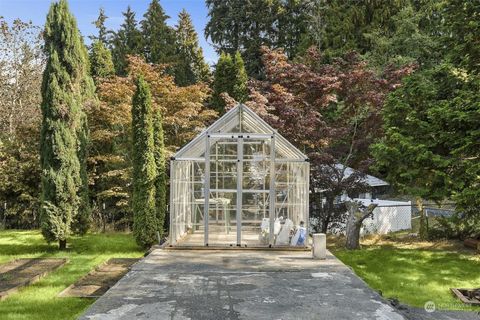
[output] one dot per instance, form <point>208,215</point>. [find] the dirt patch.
<point>99,280</point>
<point>22,272</point>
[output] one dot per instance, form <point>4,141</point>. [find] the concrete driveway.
<point>240,284</point>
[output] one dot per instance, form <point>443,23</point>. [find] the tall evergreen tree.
<point>81,222</point>
<point>224,77</point>
<point>66,87</point>
<point>340,26</point>
<point>230,77</point>
<point>293,24</point>
<point>410,39</point>
<point>102,29</point>
<point>430,146</point>
<point>158,37</point>
<point>462,42</point>
<point>190,66</point>
<point>161,179</point>
<point>127,41</point>
<point>240,89</point>
<point>145,221</point>
<point>101,63</point>
<point>246,26</point>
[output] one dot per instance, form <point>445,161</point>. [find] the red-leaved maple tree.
<point>332,112</point>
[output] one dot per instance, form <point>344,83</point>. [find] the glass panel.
<point>222,223</point>
<point>196,225</point>
<point>223,165</point>
<point>255,191</point>
<point>181,205</point>
<point>290,225</point>
<point>252,123</point>
<point>255,218</point>
<point>194,149</point>
<point>256,164</point>
<point>223,192</point>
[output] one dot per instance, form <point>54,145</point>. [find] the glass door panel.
<point>223,191</point>
<point>255,213</point>
<point>256,164</point>
<point>289,225</point>
<point>255,218</point>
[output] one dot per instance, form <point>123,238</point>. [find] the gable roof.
<point>370,180</point>
<point>240,120</point>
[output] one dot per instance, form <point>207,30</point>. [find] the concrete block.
<point>319,247</point>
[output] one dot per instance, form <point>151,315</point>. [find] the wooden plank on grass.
<point>19,273</point>
<point>100,279</point>
<point>467,296</point>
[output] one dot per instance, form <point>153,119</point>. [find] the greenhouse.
<point>239,183</point>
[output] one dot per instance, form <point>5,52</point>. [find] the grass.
<point>40,301</point>
<point>414,272</point>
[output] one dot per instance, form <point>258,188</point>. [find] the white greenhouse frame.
<point>256,181</point>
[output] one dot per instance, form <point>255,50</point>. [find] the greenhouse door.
<point>221,210</point>
<point>237,211</point>
<point>255,193</point>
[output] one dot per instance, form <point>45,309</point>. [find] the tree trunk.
<point>352,232</point>
<point>422,232</point>
<point>356,215</point>
<point>62,244</point>
<point>324,227</point>
<point>327,214</point>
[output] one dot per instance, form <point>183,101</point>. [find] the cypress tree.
<point>224,77</point>
<point>145,222</point>
<point>240,89</point>
<point>161,179</point>
<point>230,77</point>
<point>190,66</point>
<point>101,61</point>
<point>158,37</point>
<point>66,87</point>
<point>127,41</point>
<point>82,220</point>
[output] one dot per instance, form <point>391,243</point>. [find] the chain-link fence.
<point>391,217</point>
<point>388,217</point>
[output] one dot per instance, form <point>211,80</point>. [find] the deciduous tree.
<point>337,106</point>
<point>21,65</point>
<point>184,116</point>
<point>357,213</point>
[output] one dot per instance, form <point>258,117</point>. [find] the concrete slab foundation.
<point>202,284</point>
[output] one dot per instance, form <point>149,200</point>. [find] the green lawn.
<point>415,275</point>
<point>40,301</point>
